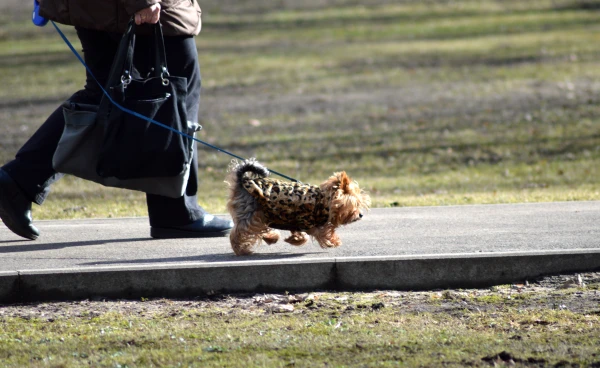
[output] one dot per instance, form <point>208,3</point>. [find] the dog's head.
<point>347,201</point>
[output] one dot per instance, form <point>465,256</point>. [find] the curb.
<point>425,272</point>
<point>9,286</point>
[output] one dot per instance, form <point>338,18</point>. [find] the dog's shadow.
<point>20,246</point>
<point>205,258</point>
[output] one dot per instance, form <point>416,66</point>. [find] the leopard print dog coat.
<point>289,206</point>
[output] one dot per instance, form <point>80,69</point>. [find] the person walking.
<point>100,25</point>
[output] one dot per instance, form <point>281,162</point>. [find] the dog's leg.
<point>246,234</point>
<point>325,236</point>
<point>297,238</point>
<point>242,241</point>
<point>270,236</point>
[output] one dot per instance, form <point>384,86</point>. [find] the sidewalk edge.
<point>420,272</point>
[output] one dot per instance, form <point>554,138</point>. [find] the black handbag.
<point>122,149</point>
<point>133,147</point>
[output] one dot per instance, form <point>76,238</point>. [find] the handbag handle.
<point>118,68</point>
<point>160,55</point>
<point>122,67</point>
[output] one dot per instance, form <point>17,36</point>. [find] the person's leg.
<point>32,167</point>
<point>28,177</point>
<point>183,217</point>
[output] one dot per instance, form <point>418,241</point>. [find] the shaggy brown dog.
<point>259,204</point>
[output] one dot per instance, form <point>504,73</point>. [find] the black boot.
<point>208,226</point>
<point>15,208</point>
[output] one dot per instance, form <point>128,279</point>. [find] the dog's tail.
<point>250,165</point>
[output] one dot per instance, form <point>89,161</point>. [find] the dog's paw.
<point>242,251</point>
<point>297,239</point>
<point>270,237</point>
<point>332,242</point>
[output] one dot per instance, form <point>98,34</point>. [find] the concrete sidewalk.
<point>399,248</point>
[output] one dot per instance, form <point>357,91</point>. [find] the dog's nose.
<point>360,215</point>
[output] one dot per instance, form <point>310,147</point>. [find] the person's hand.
<point>148,15</point>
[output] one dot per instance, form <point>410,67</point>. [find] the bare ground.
<point>578,293</point>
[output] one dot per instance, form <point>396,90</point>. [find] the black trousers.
<point>32,167</point>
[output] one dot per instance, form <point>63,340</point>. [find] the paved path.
<point>461,233</point>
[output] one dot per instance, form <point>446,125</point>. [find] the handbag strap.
<point>122,68</point>
<point>122,65</point>
<point>160,56</point>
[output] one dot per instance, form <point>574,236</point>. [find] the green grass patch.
<point>532,326</point>
<point>423,103</point>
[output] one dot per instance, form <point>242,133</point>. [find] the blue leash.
<point>147,118</point>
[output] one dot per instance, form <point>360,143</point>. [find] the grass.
<point>422,103</point>
<point>386,328</point>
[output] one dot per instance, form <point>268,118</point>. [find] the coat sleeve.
<point>133,6</point>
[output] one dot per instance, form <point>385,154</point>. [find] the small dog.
<point>259,204</point>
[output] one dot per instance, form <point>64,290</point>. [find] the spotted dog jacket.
<point>289,206</point>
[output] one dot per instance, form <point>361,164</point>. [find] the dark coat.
<point>178,17</point>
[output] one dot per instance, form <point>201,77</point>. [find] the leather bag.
<point>123,149</point>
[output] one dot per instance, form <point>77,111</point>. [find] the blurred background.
<point>422,102</point>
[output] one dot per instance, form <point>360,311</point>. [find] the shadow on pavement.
<point>209,258</point>
<point>29,246</point>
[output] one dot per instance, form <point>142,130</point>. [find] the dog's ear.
<point>344,182</point>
